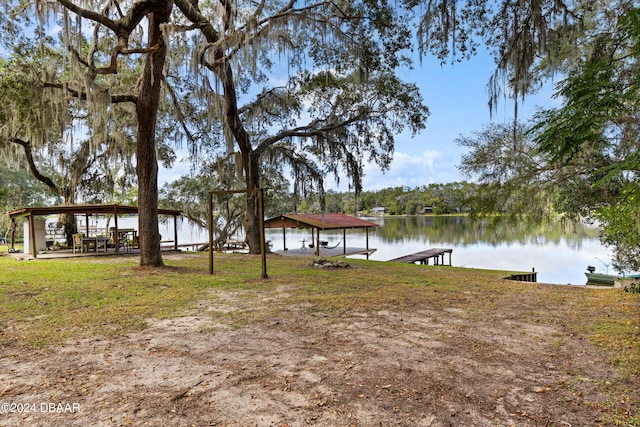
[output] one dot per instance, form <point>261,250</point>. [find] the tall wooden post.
<point>32,235</point>
<point>210,223</point>
<point>116,234</point>
<point>175,232</point>
<point>263,246</point>
<point>366,230</point>
<point>284,239</point>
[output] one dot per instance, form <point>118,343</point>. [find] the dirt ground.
<point>411,367</point>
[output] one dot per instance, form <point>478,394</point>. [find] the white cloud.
<point>430,166</point>
<point>180,168</point>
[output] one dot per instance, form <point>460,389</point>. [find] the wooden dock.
<point>524,277</point>
<point>339,251</point>
<point>195,247</point>
<point>423,257</point>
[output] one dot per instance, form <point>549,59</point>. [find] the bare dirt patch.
<point>415,366</point>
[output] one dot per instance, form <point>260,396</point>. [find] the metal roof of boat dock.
<point>327,221</point>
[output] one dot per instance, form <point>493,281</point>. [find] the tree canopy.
<point>201,73</point>
<point>337,103</point>
<point>45,134</point>
<point>582,156</point>
<point>529,40</point>
<point>600,118</point>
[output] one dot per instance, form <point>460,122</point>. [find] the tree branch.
<point>32,165</point>
<point>307,131</point>
<point>121,27</point>
<point>193,14</point>
<point>244,36</point>
<point>89,14</point>
<point>115,99</point>
<point>176,106</point>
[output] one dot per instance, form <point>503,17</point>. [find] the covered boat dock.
<point>318,223</point>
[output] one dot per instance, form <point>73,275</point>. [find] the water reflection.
<point>460,230</point>
<point>559,252</point>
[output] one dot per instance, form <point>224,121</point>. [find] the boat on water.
<point>600,279</point>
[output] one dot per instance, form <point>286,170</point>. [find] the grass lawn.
<point>50,302</point>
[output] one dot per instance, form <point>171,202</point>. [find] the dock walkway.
<point>328,252</point>
<point>423,257</point>
<point>524,277</point>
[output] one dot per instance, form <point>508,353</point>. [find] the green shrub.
<point>633,288</point>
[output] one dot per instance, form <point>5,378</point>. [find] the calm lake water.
<point>560,254</point>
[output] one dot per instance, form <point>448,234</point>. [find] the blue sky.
<point>457,97</point>
<point>458,102</point>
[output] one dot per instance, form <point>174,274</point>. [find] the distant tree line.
<point>433,198</point>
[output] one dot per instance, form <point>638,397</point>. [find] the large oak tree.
<point>339,106</point>
<point>336,103</point>
<point>98,35</point>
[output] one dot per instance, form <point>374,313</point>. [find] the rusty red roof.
<point>324,221</point>
<point>86,209</point>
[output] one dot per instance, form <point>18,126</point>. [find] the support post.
<point>344,241</point>
<point>284,239</point>
<point>32,235</point>
<point>210,223</point>
<point>175,232</point>
<point>263,249</point>
<point>116,233</point>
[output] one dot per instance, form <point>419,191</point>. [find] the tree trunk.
<point>147,116</point>
<point>70,227</point>
<point>69,220</point>
<point>252,219</point>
